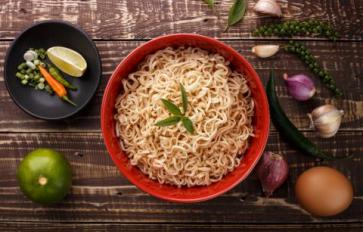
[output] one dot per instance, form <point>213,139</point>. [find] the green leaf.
<point>169,121</point>
<point>171,107</point>
<point>236,12</point>
<point>188,124</point>
<point>210,3</point>
<point>184,98</point>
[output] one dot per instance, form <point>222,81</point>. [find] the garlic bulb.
<point>326,120</point>
<point>264,51</point>
<point>270,7</point>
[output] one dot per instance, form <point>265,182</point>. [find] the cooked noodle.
<point>220,107</point>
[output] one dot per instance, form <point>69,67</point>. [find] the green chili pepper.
<point>287,129</point>
<point>58,76</point>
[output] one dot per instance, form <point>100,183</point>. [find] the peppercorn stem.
<point>305,55</point>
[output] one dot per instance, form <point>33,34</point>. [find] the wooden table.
<point>101,198</point>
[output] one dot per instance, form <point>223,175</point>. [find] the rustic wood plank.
<point>114,19</point>
<point>343,60</point>
<point>101,194</point>
<point>54,227</point>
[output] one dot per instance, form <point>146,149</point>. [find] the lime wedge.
<point>67,60</point>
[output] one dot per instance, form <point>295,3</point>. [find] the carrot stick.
<point>57,87</point>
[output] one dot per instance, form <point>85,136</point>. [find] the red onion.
<point>300,86</point>
<point>272,172</point>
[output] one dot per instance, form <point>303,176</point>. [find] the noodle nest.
<point>220,107</point>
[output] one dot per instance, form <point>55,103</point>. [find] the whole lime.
<point>44,176</point>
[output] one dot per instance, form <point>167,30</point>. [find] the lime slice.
<point>67,60</point>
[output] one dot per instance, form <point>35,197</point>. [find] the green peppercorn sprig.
<point>304,54</point>
<point>312,28</point>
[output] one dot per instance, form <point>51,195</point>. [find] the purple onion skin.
<point>272,172</point>
<point>300,86</point>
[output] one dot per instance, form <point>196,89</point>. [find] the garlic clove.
<point>270,7</point>
<point>264,51</point>
<point>326,120</point>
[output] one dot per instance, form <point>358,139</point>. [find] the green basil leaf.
<point>184,98</point>
<point>171,107</point>
<point>236,12</point>
<point>210,3</point>
<point>169,121</point>
<point>188,124</point>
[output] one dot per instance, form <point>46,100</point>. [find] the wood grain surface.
<point>101,194</point>
<point>137,19</point>
<point>342,59</point>
<point>101,199</point>
<point>56,227</point>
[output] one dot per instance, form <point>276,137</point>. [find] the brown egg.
<point>323,191</point>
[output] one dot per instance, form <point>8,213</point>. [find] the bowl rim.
<point>14,42</point>
<point>259,150</point>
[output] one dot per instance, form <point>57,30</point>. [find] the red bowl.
<point>261,120</point>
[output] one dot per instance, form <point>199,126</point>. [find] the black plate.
<point>45,35</point>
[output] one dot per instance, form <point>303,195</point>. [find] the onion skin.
<point>300,86</point>
<point>272,172</point>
